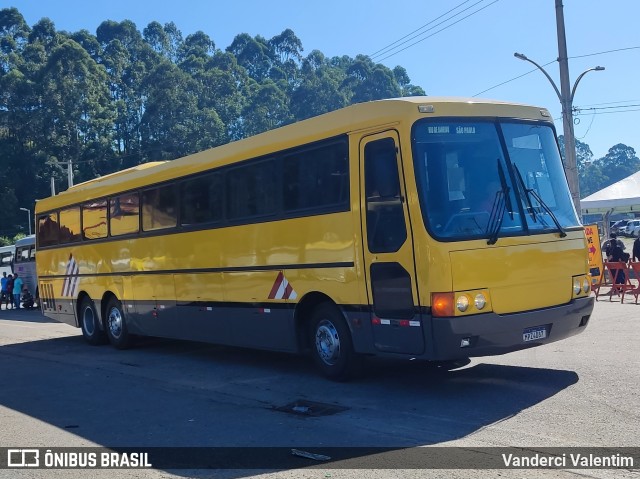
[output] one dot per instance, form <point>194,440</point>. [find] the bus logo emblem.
<point>70,286</point>
<point>282,289</point>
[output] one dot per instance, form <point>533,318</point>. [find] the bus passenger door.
<point>388,247</point>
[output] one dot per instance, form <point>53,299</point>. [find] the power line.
<point>377,53</point>
<point>593,117</point>
<point>608,107</point>
<point>570,58</point>
<point>607,51</point>
<point>514,78</point>
<point>608,103</point>
<point>608,112</point>
<point>435,33</point>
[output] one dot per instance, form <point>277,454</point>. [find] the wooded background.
<point>121,97</point>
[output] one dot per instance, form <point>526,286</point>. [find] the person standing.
<point>3,284</point>
<point>17,290</point>
<point>9,297</point>
<point>611,243</point>
<point>636,249</point>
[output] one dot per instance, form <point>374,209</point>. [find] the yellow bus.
<point>424,228</point>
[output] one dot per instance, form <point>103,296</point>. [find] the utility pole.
<point>69,173</point>
<point>571,166</point>
<point>565,95</point>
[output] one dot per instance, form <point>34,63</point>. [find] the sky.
<point>448,47</point>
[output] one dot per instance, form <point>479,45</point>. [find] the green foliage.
<point>122,97</point>
<point>595,174</point>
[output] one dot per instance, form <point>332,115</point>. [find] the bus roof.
<point>27,240</point>
<point>346,120</point>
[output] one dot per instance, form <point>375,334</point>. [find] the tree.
<point>267,108</point>
<point>128,59</point>
<point>619,162</point>
<point>195,51</point>
<point>252,54</point>
<point>122,97</point>
<point>14,32</point>
<point>76,107</point>
<point>367,81</point>
<point>173,125</point>
<point>406,88</point>
<point>319,91</point>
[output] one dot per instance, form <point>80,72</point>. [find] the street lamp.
<point>566,100</point>
<point>29,218</point>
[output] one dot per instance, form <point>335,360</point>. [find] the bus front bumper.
<point>491,334</point>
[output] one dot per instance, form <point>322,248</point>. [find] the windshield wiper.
<point>531,192</point>
<point>501,202</point>
<point>527,194</point>
<point>495,219</point>
<point>505,189</point>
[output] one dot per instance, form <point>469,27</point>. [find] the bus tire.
<point>331,346</point>
<point>90,324</point>
<point>116,325</point>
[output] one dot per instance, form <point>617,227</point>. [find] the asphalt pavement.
<point>57,391</point>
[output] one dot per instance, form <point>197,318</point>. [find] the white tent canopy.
<point>620,197</point>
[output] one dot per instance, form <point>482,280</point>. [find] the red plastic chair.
<point>597,282</point>
<point>615,269</point>
<point>635,268</point>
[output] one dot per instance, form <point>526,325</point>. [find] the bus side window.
<point>70,225</point>
<point>202,199</point>
<point>124,214</point>
<point>251,190</point>
<point>159,208</point>
<point>48,229</point>
<point>386,229</point>
<point>94,219</point>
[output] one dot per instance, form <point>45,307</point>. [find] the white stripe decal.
<point>282,288</point>
<point>72,280</point>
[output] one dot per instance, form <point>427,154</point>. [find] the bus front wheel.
<point>116,324</point>
<point>331,345</point>
<point>89,323</point>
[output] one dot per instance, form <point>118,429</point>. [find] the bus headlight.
<point>577,287</point>
<point>462,303</point>
<point>581,285</point>
<point>480,301</point>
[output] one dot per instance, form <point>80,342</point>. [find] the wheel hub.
<point>115,322</point>
<point>327,342</point>
<point>88,321</point>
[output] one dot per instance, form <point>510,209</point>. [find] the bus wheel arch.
<point>328,337</point>
<point>89,320</point>
<point>303,313</point>
<point>115,322</point>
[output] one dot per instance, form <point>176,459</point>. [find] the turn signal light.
<point>442,304</point>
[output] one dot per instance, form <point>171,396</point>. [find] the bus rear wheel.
<point>90,324</point>
<point>331,346</point>
<point>116,325</point>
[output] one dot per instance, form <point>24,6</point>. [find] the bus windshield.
<point>489,179</point>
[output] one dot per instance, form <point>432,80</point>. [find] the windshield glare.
<point>464,174</point>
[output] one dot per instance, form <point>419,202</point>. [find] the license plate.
<point>533,334</point>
